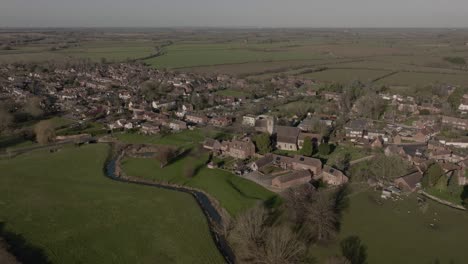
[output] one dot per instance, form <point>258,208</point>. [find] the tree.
<point>189,169</point>
<point>282,246</point>
<point>45,132</point>
<point>324,149</point>
<point>353,250</point>
<point>343,162</point>
<point>255,239</point>
<point>453,188</point>
<point>307,147</point>
<point>387,168</point>
<point>432,175</point>
<point>33,107</point>
<point>370,106</point>
<point>165,155</point>
<point>464,196</point>
<point>337,260</point>
<point>6,119</point>
<point>263,143</point>
<point>441,184</point>
<point>321,217</point>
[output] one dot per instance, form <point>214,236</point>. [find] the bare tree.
<point>45,132</point>
<point>189,169</point>
<point>6,119</point>
<point>282,247</point>
<point>337,260</point>
<point>321,218</point>
<point>165,155</point>
<point>256,240</point>
<point>33,107</point>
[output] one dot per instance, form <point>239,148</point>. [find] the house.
<point>286,138</point>
<point>454,122</point>
<point>315,138</point>
<point>196,119</point>
<point>331,96</point>
<point>464,104</point>
<point>150,128</point>
<point>305,163</point>
<point>239,149</point>
<point>394,150</point>
<point>356,128</point>
<point>332,176</point>
<point>265,124</point>
<point>292,179</point>
<point>410,182</point>
<point>212,145</point>
<point>262,162</point>
<point>177,125</point>
<point>423,135</point>
<point>221,121</point>
<point>248,120</point>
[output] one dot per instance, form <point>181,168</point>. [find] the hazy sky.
<point>232,13</point>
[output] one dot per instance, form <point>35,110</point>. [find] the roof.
<point>303,136</point>
<point>333,171</point>
<point>412,179</point>
<point>357,124</point>
<point>267,159</point>
<point>287,134</point>
<point>307,161</point>
<point>294,176</point>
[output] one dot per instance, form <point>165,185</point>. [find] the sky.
<point>234,13</point>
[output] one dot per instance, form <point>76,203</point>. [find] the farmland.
<point>63,204</point>
<point>417,57</point>
<point>403,231</point>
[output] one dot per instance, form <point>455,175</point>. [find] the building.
<point>239,149</point>
<point>305,163</point>
<point>149,128</point>
<point>454,122</point>
<point>332,176</point>
<point>292,179</point>
<point>315,138</point>
<point>221,121</point>
<point>356,128</point>
<point>265,124</point>
<point>248,120</point>
<point>410,182</point>
<point>196,119</point>
<point>286,138</point>
<point>177,125</point>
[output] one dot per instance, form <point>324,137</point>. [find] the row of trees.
<point>284,235</point>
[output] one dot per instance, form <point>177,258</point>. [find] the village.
<point>133,98</point>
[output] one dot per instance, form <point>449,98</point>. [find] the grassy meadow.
<point>404,232</point>
<point>235,194</point>
<point>63,204</point>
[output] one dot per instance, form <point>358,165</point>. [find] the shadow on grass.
<point>21,249</point>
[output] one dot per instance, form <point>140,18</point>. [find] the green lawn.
<point>235,194</point>
<point>62,203</point>
<point>400,232</point>
<point>186,138</point>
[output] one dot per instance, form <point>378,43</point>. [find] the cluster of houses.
<point>131,96</point>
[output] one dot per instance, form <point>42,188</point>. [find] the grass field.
<point>235,194</point>
<point>400,232</point>
<point>346,75</point>
<point>186,138</point>
<point>61,202</point>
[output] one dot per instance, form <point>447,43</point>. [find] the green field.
<point>401,232</point>
<point>186,138</point>
<point>235,194</point>
<point>62,203</point>
<point>346,75</point>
